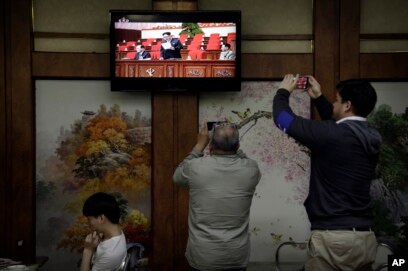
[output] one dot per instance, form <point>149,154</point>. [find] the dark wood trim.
<point>172,127</point>
<point>275,66</point>
<point>96,65</point>
<point>384,36</point>
<point>384,66</point>
<point>186,136</point>
<point>276,37</point>
<point>174,122</point>
<point>59,35</point>
<point>163,205</point>
<point>162,186</point>
<point>4,173</point>
<point>70,65</point>
<point>20,130</point>
<point>377,36</point>
<point>349,39</point>
<point>175,4</point>
<point>326,33</point>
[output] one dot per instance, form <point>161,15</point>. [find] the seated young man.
<point>105,248</point>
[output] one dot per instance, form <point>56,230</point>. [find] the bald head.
<point>225,139</point>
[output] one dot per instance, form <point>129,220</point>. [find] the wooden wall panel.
<point>163,248</point>
<point>275,66</point>
<point>349,39</point>
<point>92,65</point>
<point>175,4</point>
<point>174,116</point>
<point>187,129</point>
<point>4,184</point>
<point>20,132</point>
<point>175,119</point>
<point>175,122</point>
<point>384,66</point>
<point>70,65</point>
<point>326,56</point>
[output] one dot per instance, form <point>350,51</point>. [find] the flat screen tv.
<point>175,50</point>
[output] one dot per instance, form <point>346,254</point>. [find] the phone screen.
<point>302,82</point>
<point>210,124</point>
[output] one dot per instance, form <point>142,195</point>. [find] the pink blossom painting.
<point>277,212</point>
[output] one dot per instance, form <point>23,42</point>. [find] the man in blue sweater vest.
<point>344,153</point>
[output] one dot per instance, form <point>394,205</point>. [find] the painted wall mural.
<point>277,212</point>
<point>389,191</point>
<point>100,142</point>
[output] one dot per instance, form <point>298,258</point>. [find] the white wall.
<point>394,94</point>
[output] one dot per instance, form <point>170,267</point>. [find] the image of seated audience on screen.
<point>203,42</point>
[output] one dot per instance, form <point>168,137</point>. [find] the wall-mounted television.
<point>175,50</point>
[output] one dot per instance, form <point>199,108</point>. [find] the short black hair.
<point>227,45</point>
<point>360,93</point>
<point>102,204</point>
<point>166,33</point>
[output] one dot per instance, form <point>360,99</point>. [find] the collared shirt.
<point>351,118</point>
<point>221,188</point>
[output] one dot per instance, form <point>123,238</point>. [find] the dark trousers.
<point>240,269</point>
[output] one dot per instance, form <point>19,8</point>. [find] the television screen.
<point>175,50</point>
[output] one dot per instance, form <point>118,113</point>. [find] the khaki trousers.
<point>341,250</point>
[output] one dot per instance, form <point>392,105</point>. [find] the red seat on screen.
<point>183,38</point>
<point>122,48</point>
<point>155,50</point>
<point>193,46</point>
<point>198,38</point>
<point>231,37</point>
<point>148,42</point>
<point>214,37</point>
<point>197,54</point>
<point>130,55</point>
<point>214,46</point>
<point>155,54</point>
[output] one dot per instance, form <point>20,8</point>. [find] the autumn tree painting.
<point>108,151</point>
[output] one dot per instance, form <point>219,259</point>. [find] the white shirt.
<point>109,254</point>
<point>351,118</point>
<point>227,55</point>
<point>223,55</point>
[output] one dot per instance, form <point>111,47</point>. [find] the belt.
<point>344,229</point>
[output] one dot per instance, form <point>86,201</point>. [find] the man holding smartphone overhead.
<point>344,153</point>
<point>221,186</point>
